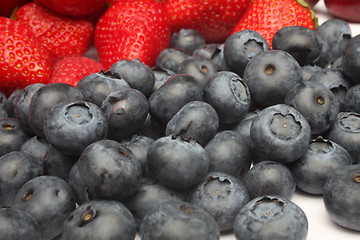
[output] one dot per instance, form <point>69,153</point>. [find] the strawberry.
<point>214,19</point>
<point>73,7</point>
<point>132,29</point>
<point>61,35</point>
<point>268,16</point>
<point>23,60</point>
<point>7,7</point>
<point>72,69</point>
<point>345,9</point>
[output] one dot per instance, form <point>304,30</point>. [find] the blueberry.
<point>355,40</point>
<point>346,133</point>
<point>12,135</point>
<point>3,110</point>
<point>222,195</point>
<point>269,178</point>
<point>351,63</point>
<point>301,42</point>
<point>242,46</point>
<point>228,152</point>
<point>171,58</point>
<point>178,220</point>
<point>316,103</point>
<point>198,67</point>
<point>197,120</point>
<point>44,99</point>
<point>337,34</point>
<point>280,133</point>
<point>229,95</point>
<point>139,145</point>
<point>271,217</point>
<point>342,196</point>
<point>326,57</point>
<point>335,80</point>
<point>99,219</point>
<point>125,110</point>
<point>161,76</point>
<point>270,75</point>
<point>109,170</point>
<point>176,162</point>
<point>149,197</point>
<point>57,163</point>
<point>49,200</point>
<point>173,95</point>
<point>11,101</point>
<point>16,168</point>
<point>97,86</point>
<point>36,147</point>
<point>206,50</point>
<point>70,126</point>
<point>22,105</point>
<point>137,74</point>
<point>352,99</point>
<point>309,70</point>
<point>215,52</point>
<point>187,39</point>
<point>321,160</point>
<point>78,185</point>
<point>17,224</point>
<point>243,126</point>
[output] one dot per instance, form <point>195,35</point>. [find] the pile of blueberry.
<point>215,139</point>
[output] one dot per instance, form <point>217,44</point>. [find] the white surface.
<point>320,225</point>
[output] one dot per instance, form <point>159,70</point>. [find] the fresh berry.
<point>271,217</point>
<point>312,3</point>
<point>132,29</point>
<point>8,7</point>
<point>240,47</point>
<point>345,9</point>
<point>61,35</point>
<point>267,17</point>
<point>302,43</point>
<point>73,7</point>
<point>71,70</point>
<point>23,60</point>
<point>337,34</point>
<point>213,19</point>
<point>71,126</point>
<point>187,39</point>
<point>90,220</point>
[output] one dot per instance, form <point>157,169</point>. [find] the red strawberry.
<point>214,19</point>
<point>61,35</point>
<point>8,6</point>
<point>268,16</point>
<point>73,7</point>
<point>132,29</point>
<point>23,60</point>
<point>71,70</point>
<point>345,9</point>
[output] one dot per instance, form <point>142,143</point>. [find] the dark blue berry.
<point>229,95</point>
<point>242,46</point>
<point>196,120</point>
<point>269,178</point>
<point>301,42</point>
<point>222,195</point>
<point>320,161</point>
<point>178,220</point>
<point>71,126</point>
<point>342,196</point>
<point>271,217</point>
<point>99,219</point>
